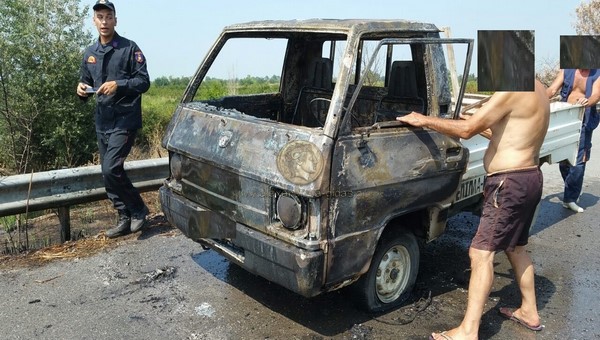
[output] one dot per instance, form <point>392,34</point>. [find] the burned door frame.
<point>378,182</point>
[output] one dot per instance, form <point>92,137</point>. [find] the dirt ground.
<point>87,221</point>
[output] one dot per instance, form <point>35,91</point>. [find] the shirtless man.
<point>578,86</point>
<point>518,122</point>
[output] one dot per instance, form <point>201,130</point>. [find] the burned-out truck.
<point>286,158</point>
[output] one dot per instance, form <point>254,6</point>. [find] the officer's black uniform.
<point>118,116</point>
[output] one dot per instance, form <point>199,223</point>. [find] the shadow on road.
<point>156,225</point>
<point>510,296</point>
<point>443,277</point>
<point>328,314</point>
<point>552,212</point>
<point>443,268</point>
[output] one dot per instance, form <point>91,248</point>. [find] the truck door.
<point>382,169</point>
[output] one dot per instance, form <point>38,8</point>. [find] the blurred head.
<point>103,4</point>
<point>105,20</point>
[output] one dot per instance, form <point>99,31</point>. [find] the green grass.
<point>158,105</point>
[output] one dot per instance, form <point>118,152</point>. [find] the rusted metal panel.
<point>378,177</point>
<point>297,269</point>
<point>194,220</point>
<point>242,163</point>
<point>237,143</point>
<point>356,26</point>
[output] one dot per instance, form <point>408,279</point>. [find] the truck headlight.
<point>291,211</point>
<point>175,166</point>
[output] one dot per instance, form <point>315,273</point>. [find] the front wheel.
<point>392,274</point>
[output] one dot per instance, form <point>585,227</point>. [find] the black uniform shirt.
<point>123,61</point>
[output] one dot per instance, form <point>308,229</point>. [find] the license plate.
<point>470,188</point>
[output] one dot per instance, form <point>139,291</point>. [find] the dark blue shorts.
<point>510,201</point>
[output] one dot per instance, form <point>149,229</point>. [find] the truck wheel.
<point>392,273</point>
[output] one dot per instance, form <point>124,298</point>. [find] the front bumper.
<point>296,269</point>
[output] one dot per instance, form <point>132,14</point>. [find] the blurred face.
<point>105,21</point>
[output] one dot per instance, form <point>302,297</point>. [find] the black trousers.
<point>114,148</point>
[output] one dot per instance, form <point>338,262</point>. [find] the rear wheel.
<point>392,274</point>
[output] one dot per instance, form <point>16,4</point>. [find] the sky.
<point>176,35</point>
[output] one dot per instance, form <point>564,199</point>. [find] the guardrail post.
<point>65,223</point>
<point>67,187</point>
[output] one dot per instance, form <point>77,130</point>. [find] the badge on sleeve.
<point>139,57</point>
<point>91,60</point>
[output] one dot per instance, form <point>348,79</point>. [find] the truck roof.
<point>335,25</point>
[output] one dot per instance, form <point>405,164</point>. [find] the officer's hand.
<point>108,88</point>
<point>81,90</point>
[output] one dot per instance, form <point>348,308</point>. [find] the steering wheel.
<point>315,110</point>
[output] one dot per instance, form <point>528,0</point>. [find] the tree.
<point>547,71</point>
<point>588,18</point>
<point>42,122</point>
<point>587,23</point>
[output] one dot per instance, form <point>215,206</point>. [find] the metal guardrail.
<point>66,187</point>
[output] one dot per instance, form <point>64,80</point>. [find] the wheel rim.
<point>392,274</point>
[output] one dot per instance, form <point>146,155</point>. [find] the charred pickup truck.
<point>308,180</point>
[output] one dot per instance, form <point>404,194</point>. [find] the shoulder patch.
<point>139,57</point>
<point>91,60</point>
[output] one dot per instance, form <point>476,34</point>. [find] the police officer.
<point>114,71</point>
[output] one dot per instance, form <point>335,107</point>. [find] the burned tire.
<point>392,274</point>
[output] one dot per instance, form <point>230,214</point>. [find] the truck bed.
<point>560,144</point>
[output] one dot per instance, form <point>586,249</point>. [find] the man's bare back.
<point>518,121</point>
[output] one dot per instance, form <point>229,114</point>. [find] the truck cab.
<point>306,178</point>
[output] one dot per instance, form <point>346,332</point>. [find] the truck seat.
<point>402,96</point>
<point>319,85</point>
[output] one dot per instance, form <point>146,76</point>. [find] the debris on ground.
<point>361,332</point>
<point>83,247</point>
<point>159,274</point>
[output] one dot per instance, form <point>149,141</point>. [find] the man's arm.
<point>139,81</point>
<point>482,119</point>
<point>556,84</point>
<point>85,79</point>
<point>487,133</point>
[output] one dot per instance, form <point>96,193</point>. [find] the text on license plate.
<point>470,187</point>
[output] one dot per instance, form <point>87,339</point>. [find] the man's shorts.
<point>510,201</point>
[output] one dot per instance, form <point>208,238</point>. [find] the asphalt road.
<point>160,285</point>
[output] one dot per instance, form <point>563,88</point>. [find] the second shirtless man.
<point>578,86</point>
<point>518,122</point>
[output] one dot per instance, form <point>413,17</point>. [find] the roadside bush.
<point>158,105</point>
<point>42,122</point>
